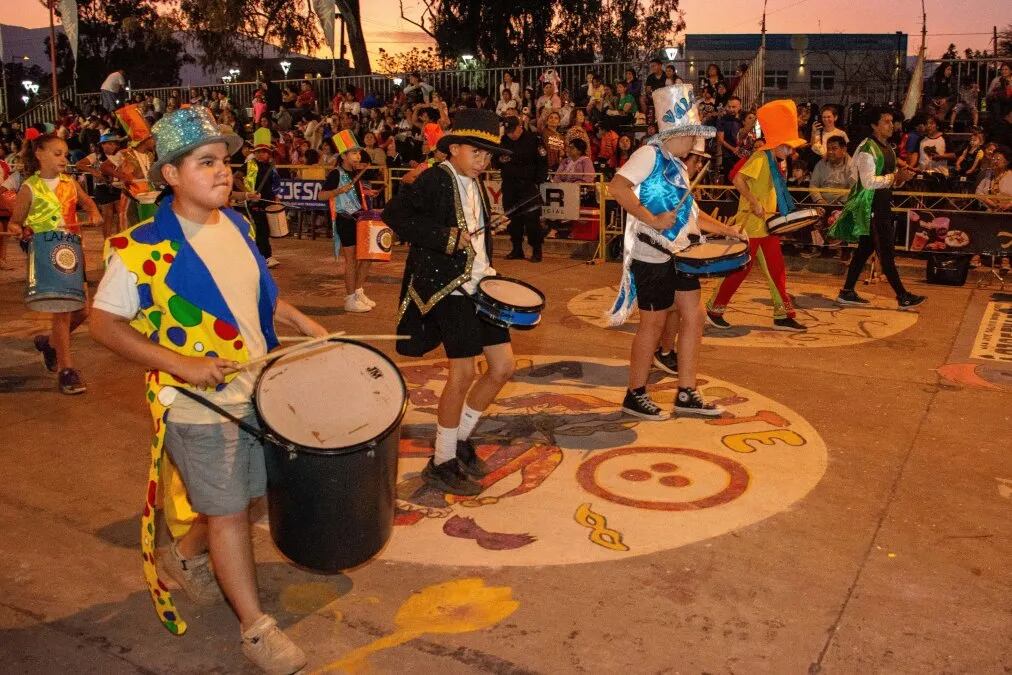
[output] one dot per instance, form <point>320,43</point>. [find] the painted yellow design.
<point>744,442</point>
<point>600,533</point>
<point>458,606</point>
<point>308,598</point>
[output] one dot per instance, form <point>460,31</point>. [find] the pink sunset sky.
<point>967,24</point>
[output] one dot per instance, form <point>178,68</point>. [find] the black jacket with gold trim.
<point>429,216</point>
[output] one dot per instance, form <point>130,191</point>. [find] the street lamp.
<point>285,65</point>
<point>467,57</point>
<point>25,99</point>
<point>226,78</point>
<point>234,72</point>
<point>398,81</point>
<point>27,84</point>
<point>671,53</point>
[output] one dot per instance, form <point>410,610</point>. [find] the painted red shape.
<point>765,416</point>
<point>738,479</point>
<point>225,330</point>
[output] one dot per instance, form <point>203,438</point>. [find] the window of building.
<point>822,80</point>
<point>775,79</point>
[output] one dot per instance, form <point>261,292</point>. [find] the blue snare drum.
<point>509,303</point>
<point>55,272</point>
<point>713,258</point>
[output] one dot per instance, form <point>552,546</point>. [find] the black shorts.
<point>656,284</point>
<point>454,323</point>
<point>345,229</point>
<point>105,194</point>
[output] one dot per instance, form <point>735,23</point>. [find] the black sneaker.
<point>851,298</point>
<point>473,465</point>
<point>515,255</point>
<point>640,405</point>
<point>690,402</point>
<point>788,324</point>
<point>666,362</point>
<point>48,352</point>
<point>536,256</point>
<point>71,382</point>
<point>449,477</point>
<point>717,320</point>
<point>909,301</point>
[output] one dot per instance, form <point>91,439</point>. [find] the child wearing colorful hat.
<point>188,295</point>
<point>653,188</point>
<point>47,202</point>
<point>262,183</point>
<point>345,193</point>
<point>763,193</point>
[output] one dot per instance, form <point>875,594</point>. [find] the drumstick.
<point>278,353</point>
<point>305,338</point>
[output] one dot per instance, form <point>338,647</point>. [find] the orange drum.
<point>373,238</point>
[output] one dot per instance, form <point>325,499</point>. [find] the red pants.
<point>765,250</point>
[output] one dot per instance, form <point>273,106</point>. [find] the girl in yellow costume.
<point>48,202</point>
<point>188,295</point>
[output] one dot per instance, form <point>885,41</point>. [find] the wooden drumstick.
<point>304,338</point>
<point>310,342</point>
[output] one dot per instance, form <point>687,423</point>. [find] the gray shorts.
<point>222,466</point>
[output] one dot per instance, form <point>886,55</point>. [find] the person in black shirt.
<point>656,79</point>
<point>523,171</point>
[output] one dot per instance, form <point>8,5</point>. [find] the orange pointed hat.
<point>779,123</point>
<point>134,124</point>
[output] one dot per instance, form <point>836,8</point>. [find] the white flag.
<point>325,10</point>
<point>68,15</point>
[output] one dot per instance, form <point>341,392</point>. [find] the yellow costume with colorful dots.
<point>182,309</point>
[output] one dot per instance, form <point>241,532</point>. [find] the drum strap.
<point>259,434</point>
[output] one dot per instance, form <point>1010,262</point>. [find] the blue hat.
<point>110,138</point>
<point>183,131</point>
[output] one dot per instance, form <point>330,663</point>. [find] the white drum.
<point>793,221</point>
<point>277,220</point>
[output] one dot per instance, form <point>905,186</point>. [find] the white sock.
<point>446,444</point>
<point>360,292</point>
<point>469,418</point>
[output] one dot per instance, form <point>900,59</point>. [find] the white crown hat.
<point>677,115</point>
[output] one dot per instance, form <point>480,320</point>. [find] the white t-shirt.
<point>470,201</point>
<point>636,170</point>
<point>925,162</point>
<point>114,82</point>
<point>234,269</point>
<point>1004,185</point>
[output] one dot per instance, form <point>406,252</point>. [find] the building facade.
<point>817,67</point>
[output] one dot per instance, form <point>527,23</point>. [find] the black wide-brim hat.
<point>471,126</point>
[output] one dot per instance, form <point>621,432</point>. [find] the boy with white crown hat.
<point>653,188</point>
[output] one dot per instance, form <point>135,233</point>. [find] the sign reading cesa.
<point>302,192</point>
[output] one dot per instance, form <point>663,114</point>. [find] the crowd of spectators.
<point>589,127</point>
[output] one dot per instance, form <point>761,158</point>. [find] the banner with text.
<point>301,194</point>
<point>561,201</point>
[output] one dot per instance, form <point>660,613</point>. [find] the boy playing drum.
<point>189,296</point>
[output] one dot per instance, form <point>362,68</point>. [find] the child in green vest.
<point>188,295</point>
<point>47,202</point>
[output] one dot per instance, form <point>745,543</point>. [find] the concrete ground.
<point>892,559</point>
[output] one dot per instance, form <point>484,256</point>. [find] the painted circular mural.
<point>751,316</point>
<point>575,480</point>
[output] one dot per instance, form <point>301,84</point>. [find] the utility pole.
<point>994,30</point>
<point>52,57</point>
<point>762,51</point>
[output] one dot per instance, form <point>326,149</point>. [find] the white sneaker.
<point>360,294</point>
<point>270,649</point>
<point>272,262</point>
<point>353,304</point>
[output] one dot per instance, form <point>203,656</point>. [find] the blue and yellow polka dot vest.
<point>182,309</point>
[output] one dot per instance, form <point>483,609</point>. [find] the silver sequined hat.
<point>182,131</point>
<point>677,114</point>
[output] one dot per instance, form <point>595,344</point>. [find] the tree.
<point>230,32</point>
<point>515,32</point>
<point>1004,46</point>
<point>409,61</point>
<point>128,34</point>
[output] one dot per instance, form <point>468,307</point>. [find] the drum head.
<point>511,293</point>
<point>713,249</point>
<point>332,398</point>
<point>148,197</point>
<point>275,209</point>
